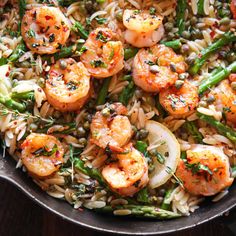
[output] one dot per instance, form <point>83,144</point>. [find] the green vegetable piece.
<point>78,28</point>
<point>142,196</point>
<point>22,8</point>
<point>200,7</point>
<point>23,96</point>
<point>191,128</point>
<point>180,15</point>
<point>3,61</point>
<point>160,158</point>
<point>141,146</point>
<point>130,52</point>
<point>175,44</point>
<point>207,52</point>
<point>100,1</point>
<point>93,173</point>
<point>221,128</point>
<point>18,52</point>
<point>145,211</point>
<point>216,78</point>
<point>12,104</point>
<point>64,52</point>
<point>233,171</point>
<point>127,93</point>
<point>127,78</point>
<point>103,92</point>
<point>166,202</point>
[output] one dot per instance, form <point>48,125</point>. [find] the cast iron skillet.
<point>105,223</point>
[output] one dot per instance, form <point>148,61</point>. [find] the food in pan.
<point>126,106</point>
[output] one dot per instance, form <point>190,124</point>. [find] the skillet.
<point>112,224</point>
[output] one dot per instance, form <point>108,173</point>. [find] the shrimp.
<point>111,128</point>
<point>67,85</point>
<point>233,8</point>
<point>227,97</point>
<point>143,29</point>
<point>157,68</point>
<point>42,154</point>
<point>44,29</point>
<point>103,56</point>
<point>129,173</point>
<point>205,171</point>
<point>179,102</point>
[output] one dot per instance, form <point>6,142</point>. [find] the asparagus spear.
<point>12,104</point>
<point>142,211</point>
<point>180,14</point>
<point>216,78</point>
<point>78,28</point>
<point>233,171</point>
<point>103,92</point>
<point>18,52</point>
<point>127,78</point>
<point>221,128</point>
<point>143,196</point>
<point>93,173</point>
<point>166,202</point>
<point>127,93</point>
<point>175,44</point>
<point>193,130</point>
<point>22,8</point>
<point>64,52</point>
<point>3,61</point>
<point>200,7</point>
<point>130,52</point>
<point>23,96</point>
<point>207,52</point>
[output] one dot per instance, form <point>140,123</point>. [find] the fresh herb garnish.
<point>31,33</point>
<point>44,152</point>
<point>160,158</point>
<point>150,63</point>
<point>71,85</point>
<point>101,20</point>
<point>197,167</point>
<point>101,37</point>
<point>152,10</point>
<point>81,51</point>
<point>72,160</point>
<point>51,38</point>
<point>98,63</point>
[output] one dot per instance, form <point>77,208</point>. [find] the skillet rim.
<point>4,175</point>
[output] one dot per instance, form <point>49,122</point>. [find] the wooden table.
<point>20,216</point>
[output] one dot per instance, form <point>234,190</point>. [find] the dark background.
<point>20,216</point>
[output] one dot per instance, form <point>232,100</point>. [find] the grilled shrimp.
<point>157,68</point>
<point>42,154</point>
<point>67,85</point>
<point>128,174</point>
<point>179,102</point>
<point>104,55</point>
<point>143,29</point>
<point>206,170</point>
<point>227,97</point>
<point>110,127</point>
<point>233,8</point>
<point>44,29</point>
